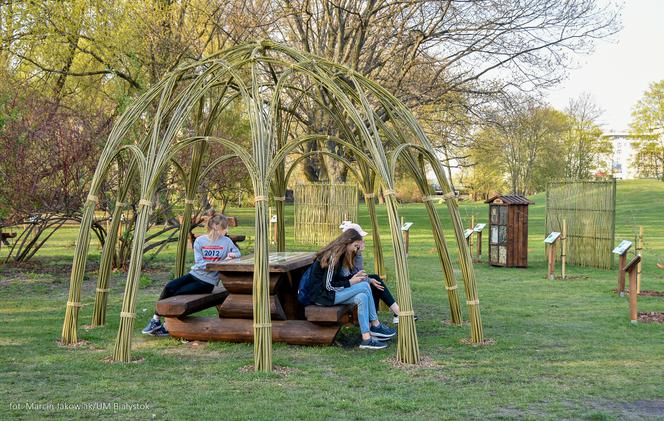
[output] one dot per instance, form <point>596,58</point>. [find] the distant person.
<point>211,247</point>
<point>379,290</point>
<point>330,287</point>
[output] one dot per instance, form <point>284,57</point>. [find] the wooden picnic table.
<point>291,322</point>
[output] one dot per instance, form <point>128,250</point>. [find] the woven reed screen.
<point>319,210</point>
<point>590,210</point>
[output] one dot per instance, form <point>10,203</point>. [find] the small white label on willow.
<point>479,227</point>
<point>622,247</point>
<point>468,232</point>
<point>274,219</point>
<point>406,226</point>
<point>552,237</point>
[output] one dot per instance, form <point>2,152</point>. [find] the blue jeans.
<point>359,294</point>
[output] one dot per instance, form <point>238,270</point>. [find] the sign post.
<point>621,250</point>
<point>478,229</point>
<point>405,228</point>
<point>563,244</point>
<point>273,222</point>
<point>550,240</point>
<point>631,268</point>
<point>467,234</point>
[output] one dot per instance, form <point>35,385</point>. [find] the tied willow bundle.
<point>105,265</point>
<point>101,294</point>
<point>589,207</point>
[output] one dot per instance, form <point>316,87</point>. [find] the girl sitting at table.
<point>209,248</point>
<point>379,290</point>
<point>330,287</point>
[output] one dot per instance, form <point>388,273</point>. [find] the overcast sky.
<point>618,73</point>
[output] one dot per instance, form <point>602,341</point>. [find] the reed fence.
<point>589,207</point>
<point>319,210</point>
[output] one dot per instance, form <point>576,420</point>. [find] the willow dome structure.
<point>268,81</point>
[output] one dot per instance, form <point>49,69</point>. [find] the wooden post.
<point>470,239</point>
<point>639,252</point>
<point>552,261</point>
<point>631,268</point>
<point>273,237</point>
<point>563,244</point>
<point>622,262</point>
<point>479,247</point>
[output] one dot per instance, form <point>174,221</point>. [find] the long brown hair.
<point>337,247</point>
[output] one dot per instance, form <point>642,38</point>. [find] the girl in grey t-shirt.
<point>212,247</point>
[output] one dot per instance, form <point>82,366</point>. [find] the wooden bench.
<point>329,314</point>
<point>6,235</point>
<point>181,305</point>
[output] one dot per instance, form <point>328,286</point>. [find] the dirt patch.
<point>637,410</point>
<point>449,323</point>
<point>79,344</point>
<point>425,362</point>
<point>135,360</point>
<point>281,370</point>
<point>651,317</point>
<point>485,342</point>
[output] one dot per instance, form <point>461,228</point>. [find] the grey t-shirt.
<point>208,251</point>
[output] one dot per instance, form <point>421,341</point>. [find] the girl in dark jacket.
<point>329,287</point>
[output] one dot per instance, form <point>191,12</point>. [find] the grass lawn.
<point>563,349</point>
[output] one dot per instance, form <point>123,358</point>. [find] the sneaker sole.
<point>151,332</point>
<point>382,336</point>
<point>372,347</point>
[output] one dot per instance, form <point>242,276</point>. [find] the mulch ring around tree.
<point>651,294</point>
<point>278,369</point>
<point>572,277</point>
<point>651,317</point>
<point>643,293</point>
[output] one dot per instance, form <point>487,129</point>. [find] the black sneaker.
<point>382,332</point>
<point>152,326</point>
<point>372,344</point>
<point>161,331</point>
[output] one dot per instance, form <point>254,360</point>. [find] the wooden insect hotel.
<point>508,231</point>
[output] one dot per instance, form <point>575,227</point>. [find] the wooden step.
<point>181,305</point>
<point>296,332</point>
<point>331,314</point>
<point>239,306</point>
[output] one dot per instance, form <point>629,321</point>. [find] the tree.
<point>52,152</point>
<point>648,127</point>
<point>524,141</point>
<point>584,145</point>
<point>433,52</point>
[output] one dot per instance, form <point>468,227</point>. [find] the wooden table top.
<point>279,262</point>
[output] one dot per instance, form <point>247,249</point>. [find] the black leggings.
<point>383,295</point>
<point>186,285</point>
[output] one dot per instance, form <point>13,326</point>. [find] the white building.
<point>622,158</point>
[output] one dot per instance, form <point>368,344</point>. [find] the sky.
<point>619,71</point>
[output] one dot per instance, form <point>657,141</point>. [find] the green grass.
<point>564,349</point>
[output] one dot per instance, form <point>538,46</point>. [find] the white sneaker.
<point>395,320</point>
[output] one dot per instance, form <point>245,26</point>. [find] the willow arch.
<point>254,75</point>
